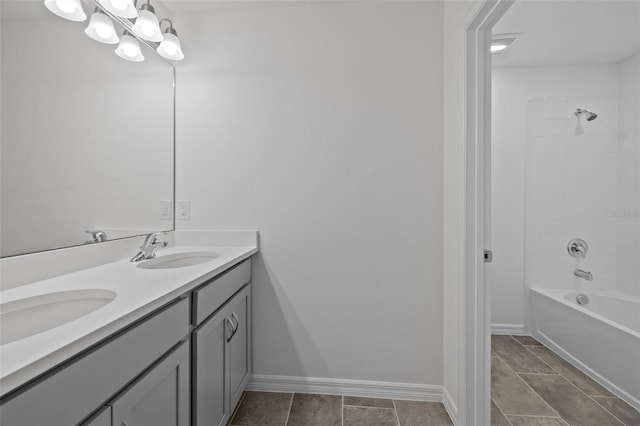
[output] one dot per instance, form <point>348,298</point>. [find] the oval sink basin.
<point>178,260</point>
<point>32,315</point>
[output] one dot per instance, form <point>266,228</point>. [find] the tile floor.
<point>293,409</point>
<point>532,386</point>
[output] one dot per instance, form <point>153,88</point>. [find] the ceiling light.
<point>101,28</point>
<point>499,42</point>
<point>129,48</point>
<point>497,48</point>
<point>67,9</point>
<point>170,47</point>
<point>121,8</point>
<point>146,25</point>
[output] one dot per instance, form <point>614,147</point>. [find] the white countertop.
<point>139,291</point>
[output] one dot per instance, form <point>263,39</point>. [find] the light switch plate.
<point>184,210</point>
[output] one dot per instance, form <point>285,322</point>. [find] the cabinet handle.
<point>235,317</point>
<point>230,323</point>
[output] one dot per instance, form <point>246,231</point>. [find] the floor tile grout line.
<point>532,390</point>
<point>565,376</point>
<point>289,412</point>
<point>395,411</point>
<point>535,417</point>
<point>501,412</point>
<point>368,406</point>
<point>536,356</point>
<point>576,386</point>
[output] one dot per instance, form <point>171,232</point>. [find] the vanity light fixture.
<point>129,48</point>
<point>101,28</point>
<point>121,8</point>
<point>169,47</point>
<point>67,9</point>
<point>146,25</point>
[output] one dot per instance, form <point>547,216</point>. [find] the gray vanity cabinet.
<point>222,354</point>
<point>160,397</point>
<point>80,387</point>
<point>211,401</point>
<point>239,355</point>
<point>185,364</point>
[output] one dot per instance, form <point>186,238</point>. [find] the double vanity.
<point>164,341</point>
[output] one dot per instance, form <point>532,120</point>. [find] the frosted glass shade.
<point>67,9</point>
<point>121,8</point>
<point>146,26</point>
<point>129,49</point>
<point>170,48</point>
<point>101,29</point>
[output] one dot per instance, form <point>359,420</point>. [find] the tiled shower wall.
<point>570,185</point>
<point>553,181</point>
<point>627,212</point>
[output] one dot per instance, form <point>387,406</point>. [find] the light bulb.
<point>101,28</point>
<point>147,30</point>
<point>170,47</point>
<point>121,8</point>
<point>104,32</point>
<point>119,4</point>
<point>67,9</point>
<point>146,25</point>
<point>129,49</point>
<point>65,6</point>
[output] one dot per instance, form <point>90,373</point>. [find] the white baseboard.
<point>515,329</point>
<point>363,388</point>
<point>450,405</point>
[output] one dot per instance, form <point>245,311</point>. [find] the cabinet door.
<point>240,346</point>
<point>222,361</point>
<point>210,402</point>
<point>160,397</point>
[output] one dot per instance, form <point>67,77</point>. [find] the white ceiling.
<point>568,32</point>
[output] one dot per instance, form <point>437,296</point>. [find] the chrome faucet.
<point>583,274</point>
<point>97,236</point>
<point>149,247</point>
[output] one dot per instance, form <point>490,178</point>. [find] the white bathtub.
<point>602,337</point>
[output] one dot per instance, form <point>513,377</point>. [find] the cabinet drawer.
<point>208,298</point>
<point>71,394</point>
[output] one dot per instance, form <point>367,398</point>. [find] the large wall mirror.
<point>87,138</point>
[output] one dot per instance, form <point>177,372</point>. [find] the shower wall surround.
<point>553,181</point>
<point>570,185</point>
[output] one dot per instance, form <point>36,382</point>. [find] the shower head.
<point>590,115</point>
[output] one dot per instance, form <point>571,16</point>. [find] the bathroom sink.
<point>179,260</point>
<point>32,315</point>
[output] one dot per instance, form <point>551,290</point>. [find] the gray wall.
<point>320,125</point>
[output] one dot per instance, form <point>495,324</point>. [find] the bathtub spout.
<point>583,274</point>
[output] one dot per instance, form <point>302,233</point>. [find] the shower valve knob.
<point>577,247</point>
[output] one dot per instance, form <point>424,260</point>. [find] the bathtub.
<point>601,337</point>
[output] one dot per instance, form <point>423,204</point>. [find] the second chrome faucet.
<point>149,247</point>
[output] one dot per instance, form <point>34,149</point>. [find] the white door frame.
<point>476,407</point>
